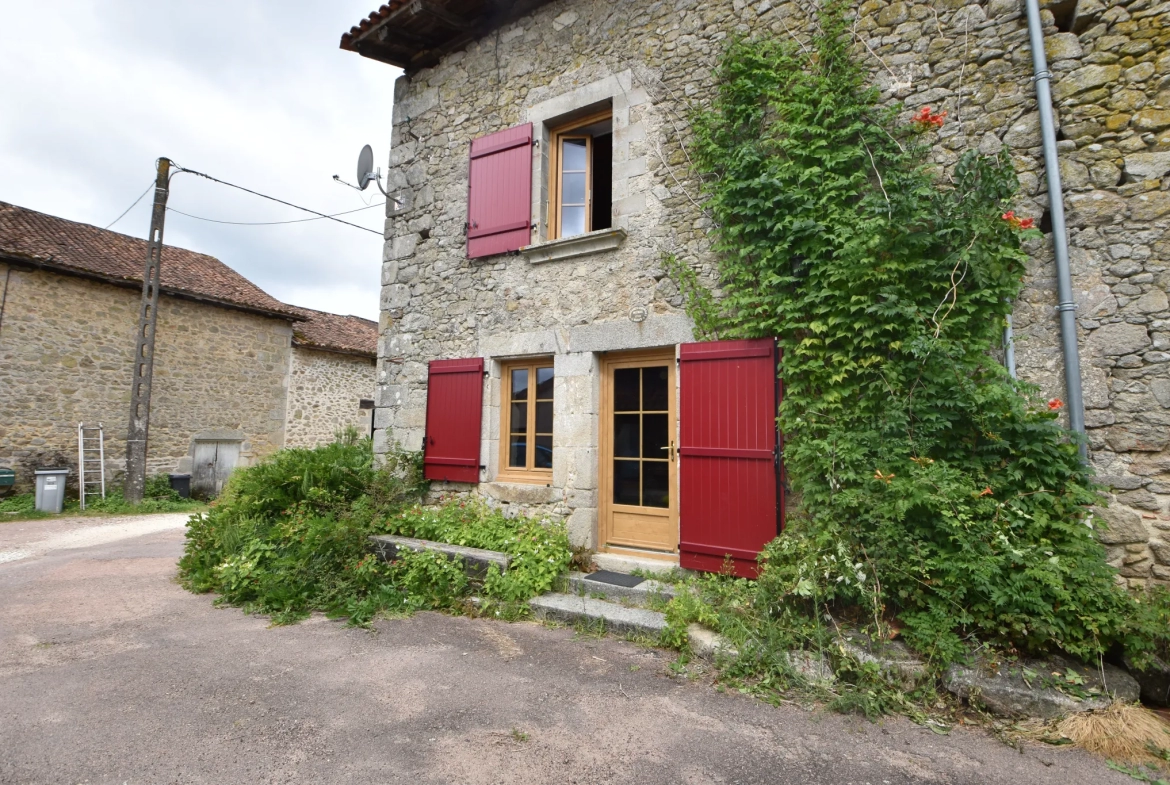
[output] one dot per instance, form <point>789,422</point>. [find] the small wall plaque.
<point>638,313</point>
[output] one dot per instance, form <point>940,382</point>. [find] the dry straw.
<point>1125,733</point>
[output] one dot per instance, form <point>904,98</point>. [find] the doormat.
<point>614,578</point>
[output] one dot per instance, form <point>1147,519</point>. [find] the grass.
<point>158,498</point>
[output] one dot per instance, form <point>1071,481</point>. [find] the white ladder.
<point>86,435</point>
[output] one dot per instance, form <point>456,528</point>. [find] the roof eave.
<point>131,283</point>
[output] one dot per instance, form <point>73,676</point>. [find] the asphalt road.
<point>111,673</point>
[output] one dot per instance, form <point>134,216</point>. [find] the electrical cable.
<point>131,207</point>
<point>268,223</point>
<point>274,199</point>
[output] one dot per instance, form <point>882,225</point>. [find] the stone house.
<point>237,374</point>
<point>540,170</point>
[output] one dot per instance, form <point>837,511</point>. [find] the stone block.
<point>1151,119</point>
<point>619,334</point>
<point>582,527</point>
<point>1084,79</point>
<point>573,364</point>
<point>1031,689</point>
<point>1161,551</point>
<point>520,493</point>
<point>1063,46</point>
<point>1115,340</point>
<point>1149,206</point>
<point>1117,525</point>
<point>476,561</point>
<point>1095,208</point>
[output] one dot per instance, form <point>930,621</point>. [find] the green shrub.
<point>923,470</point>
<point>539,549</point>
<point>290,535</point>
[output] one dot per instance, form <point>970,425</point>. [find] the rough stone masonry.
<point>655,61</point>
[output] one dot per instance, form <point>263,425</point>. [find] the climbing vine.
<point>948,484</point>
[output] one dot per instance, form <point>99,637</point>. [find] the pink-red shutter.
<point>454,415</point>
<point>730,500</point>
<point>499,192</point>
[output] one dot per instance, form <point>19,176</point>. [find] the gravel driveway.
<point>111,673</point>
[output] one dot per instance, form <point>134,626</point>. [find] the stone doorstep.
<point>570,609</point>
<point>476,561</point>
<point>617,562</point>
<point>580,584</point>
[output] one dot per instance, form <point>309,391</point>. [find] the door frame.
<point>611,361</point>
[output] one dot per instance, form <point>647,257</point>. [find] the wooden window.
<point>581,176</point>
<point>526,429</point>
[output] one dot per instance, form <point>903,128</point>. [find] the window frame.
<point>556,137</point>
<point>529,473</point>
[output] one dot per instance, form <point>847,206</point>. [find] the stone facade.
<point>220,373</point>
<point>66,355</point>
<point>324,393</point>
<point>654,62</point>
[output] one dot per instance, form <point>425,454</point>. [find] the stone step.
<point>621,562</point>
<point>476,561</point>
<point>570,609</point>
<point>581,584</point>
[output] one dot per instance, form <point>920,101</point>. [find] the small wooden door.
<point>638,468</point>
<point>212,464</point>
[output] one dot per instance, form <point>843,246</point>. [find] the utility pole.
<point>144,348</point>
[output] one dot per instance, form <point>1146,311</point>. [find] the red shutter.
<point>728,461</point>
<point>454,414</point>
<point>499,192</point>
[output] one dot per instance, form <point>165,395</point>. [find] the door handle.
<point>670,454</point>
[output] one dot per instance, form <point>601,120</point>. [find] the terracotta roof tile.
<point>330,331</point>
<point>56,242</point>
<point>355,32</point>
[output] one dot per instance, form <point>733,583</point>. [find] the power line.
<point>271,223</point>
<point>131,207</point>
<point>274,199</point>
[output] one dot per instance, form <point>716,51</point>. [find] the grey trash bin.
<point>51,489</point>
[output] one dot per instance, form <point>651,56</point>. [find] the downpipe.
<point>1065,305</point>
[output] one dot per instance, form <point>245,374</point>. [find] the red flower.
<point>1018,223</point>
<point>1055,404</point>
<point>926,119</point>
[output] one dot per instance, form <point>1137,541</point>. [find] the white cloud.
<point>252,92</point>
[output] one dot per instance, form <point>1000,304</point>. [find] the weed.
<point>519,735</point>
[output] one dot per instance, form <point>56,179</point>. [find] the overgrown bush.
<point>290,536</point>
<point>923,470</point>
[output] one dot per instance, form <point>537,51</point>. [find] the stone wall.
<point>1112,87</point>
<point>324,391</point>
<point>66,356</point>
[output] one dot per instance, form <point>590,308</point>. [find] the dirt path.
<point>111,673</point>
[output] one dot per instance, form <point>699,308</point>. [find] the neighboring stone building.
<point>224,352</point>
<point>333,364</point>
<point>637,69</point>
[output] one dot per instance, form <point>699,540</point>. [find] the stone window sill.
<point>571,247</point>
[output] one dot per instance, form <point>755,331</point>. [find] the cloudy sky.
<point>255,92</point>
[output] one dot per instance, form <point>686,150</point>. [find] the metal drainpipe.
<point>1009,348</point>
<point>1067,308</point>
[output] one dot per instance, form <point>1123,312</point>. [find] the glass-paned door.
<point>639,504</point>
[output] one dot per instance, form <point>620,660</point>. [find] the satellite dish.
<point>365,167</point>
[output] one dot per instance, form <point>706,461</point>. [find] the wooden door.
<point>203,470</point>
<point>638,468</point>
<point>227,454</point>
<point>211,465</point>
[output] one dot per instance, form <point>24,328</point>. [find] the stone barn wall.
<point>66,356</point>
<point>1111,67</point>
<point>324,391</point>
